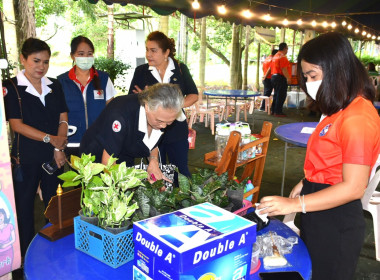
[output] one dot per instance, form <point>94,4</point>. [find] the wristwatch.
<point>46,138</point>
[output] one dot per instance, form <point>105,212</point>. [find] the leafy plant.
<point>113,67</point>
<point>204,186</point>
<point>107,190</point>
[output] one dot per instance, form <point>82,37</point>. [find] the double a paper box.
<point>202,242</point>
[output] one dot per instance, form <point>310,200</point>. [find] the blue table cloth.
<point>60,260</point>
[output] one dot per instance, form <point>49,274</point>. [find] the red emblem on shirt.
<point>116,126</point>
<point>5,91</point>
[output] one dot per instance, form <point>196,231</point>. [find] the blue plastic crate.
<point>111,249</point>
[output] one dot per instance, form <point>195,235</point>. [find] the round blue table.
<point>60,260</point>
<point>291,134</point>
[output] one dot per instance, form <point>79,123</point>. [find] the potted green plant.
<point>107,190</point>
<point>204,186</point>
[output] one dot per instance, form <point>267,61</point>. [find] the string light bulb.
<point>357,30</point>
<point>285,22</point>
<point>369,35</point>
<point>299,21</point>
<point>373,37</point>
<point>349,27</point>
<point>344,23</point>
<point>325,24</point>
<point>364,32</point>
<point>222,9</point>
<point>378,38</point>
<point>314,23</point>
<point>267,17</point>
<point>247,13</point>
<point>196,5</point>
<point>333,24</point>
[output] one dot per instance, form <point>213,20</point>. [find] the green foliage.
<point>365,59</point>
<point>44,8</point>
<point>204,186</point>
<point>113,67</point>
<point>106,189</point>
<point>11,65</point>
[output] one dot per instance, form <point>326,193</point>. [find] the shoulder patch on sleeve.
<point>116,126</point>
<point>5,91</point>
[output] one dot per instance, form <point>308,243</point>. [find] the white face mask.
<point>84,62</point>
<point>312,88</point>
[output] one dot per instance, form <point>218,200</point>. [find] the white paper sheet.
<point>308,130</point>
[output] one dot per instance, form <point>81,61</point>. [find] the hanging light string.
<point>348,23</point>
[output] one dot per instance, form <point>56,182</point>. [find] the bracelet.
<point>303,205</point>
<point>58,150</point>
<point>64,122</point>
<point>153,157</point>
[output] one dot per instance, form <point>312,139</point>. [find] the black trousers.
<point>268,88</point>
<point>280,86</point>
<point>25,193</point>
<point>333,237</point>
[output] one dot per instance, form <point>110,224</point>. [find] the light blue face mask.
<point>84,62</point>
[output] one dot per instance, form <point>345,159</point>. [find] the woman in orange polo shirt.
<point>340,155</point>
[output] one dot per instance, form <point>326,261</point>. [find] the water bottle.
<point>245,139</point>
<point>249,186</point>
<point>221,139</point>
<point>252,152</point>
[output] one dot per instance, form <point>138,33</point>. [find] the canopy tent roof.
<point>361,14</point>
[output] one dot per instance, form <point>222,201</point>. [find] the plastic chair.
<point>268,103</point>
<point>204,115</point>
<point>371,203</point>
<point>289,221</point>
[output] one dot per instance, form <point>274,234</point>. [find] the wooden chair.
<point>253,167</point>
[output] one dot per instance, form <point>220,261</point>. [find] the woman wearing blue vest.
<point>87,90</point>
<point>162,67</point>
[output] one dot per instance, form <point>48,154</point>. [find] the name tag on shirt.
<point>98,94</point>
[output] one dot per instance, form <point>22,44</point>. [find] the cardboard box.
<point>199,242</point>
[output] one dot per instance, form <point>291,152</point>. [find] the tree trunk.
<point>183,39</point>
<point>258,66</point>
<point>294,43</point>
<point>235,57</point>
<point>246,54</point>
<point>282,40</point>
<point>240,76</point>
<point>164,25</point>
<point>25,20</point>
<point>212,49</point>
<point>10,33</point>
<point>111,38</point>
<point>202,58</point>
